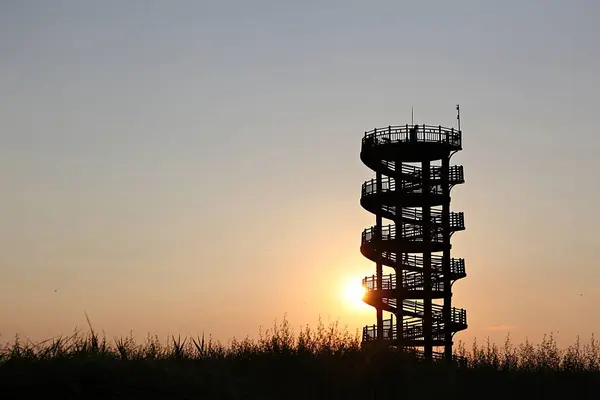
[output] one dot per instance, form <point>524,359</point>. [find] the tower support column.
<point>426,237</point>
<point>379,264</point>
<point>446,270</point>
<point>400,252</point>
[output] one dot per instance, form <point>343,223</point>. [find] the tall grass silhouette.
<point>325,362</point>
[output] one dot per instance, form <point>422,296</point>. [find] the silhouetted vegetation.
<point>327,362</point>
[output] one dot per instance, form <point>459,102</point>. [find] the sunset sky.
<point>188,166</point>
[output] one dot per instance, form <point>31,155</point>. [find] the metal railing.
<point>389,185</point>
<point>456,173</point>
<point>413,328</point>
<point>413,134</point>
<point>416,281</point>
<point>417,308</point>
<point>410,281</point>
<point>457,219</point>
<point>409,232</point>
<point>388,282</point>
<point>457,265</point>
<point>414,185</point>
<point>389,329</point>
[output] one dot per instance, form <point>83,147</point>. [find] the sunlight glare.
<point>353,293</point>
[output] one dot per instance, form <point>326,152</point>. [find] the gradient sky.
<point>189,166</point>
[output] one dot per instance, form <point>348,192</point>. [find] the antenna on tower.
<point>412,116</point>
<point>458,116</point>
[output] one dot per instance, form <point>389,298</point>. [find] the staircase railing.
<point>417,309</point>
<point>389,185</point>
<point>411,328</point>
<point>409,232</point>
<point>410,280</point>
<point>412,133</point>
<point>457,219</point>
<point>415,263</point>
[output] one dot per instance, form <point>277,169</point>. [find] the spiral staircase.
<point>413,193</point>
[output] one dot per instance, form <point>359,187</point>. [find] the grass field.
<point>323,363</point>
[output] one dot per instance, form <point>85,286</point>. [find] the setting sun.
<point>353,293</point>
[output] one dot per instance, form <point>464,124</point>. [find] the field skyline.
<point>189,167</point>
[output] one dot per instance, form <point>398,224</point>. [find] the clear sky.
<point>180,166</point>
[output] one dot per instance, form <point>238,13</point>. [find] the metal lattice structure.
<point>412,190</point>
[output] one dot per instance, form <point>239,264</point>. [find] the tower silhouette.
<point>412,190</point>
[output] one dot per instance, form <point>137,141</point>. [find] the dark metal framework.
<point>412,190</point>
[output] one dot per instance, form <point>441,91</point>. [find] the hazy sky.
<point>180,166</point>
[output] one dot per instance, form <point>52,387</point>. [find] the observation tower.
<point>410,241</point>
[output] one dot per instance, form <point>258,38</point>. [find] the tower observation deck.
<point>411,190</point>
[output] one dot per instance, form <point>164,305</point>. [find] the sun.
<point>353,293</point>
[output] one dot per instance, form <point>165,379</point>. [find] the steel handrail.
<point>413,133</point>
